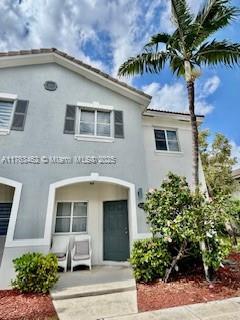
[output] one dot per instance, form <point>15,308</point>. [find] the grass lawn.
<point>191,288</point>
<point>17,306</point>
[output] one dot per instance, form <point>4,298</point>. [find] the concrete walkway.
<point>228,309</point>
<point>89,295</point>
<point>109,293</point>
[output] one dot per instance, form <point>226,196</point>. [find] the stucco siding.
<point>43,136</point>
<point>159,163</point>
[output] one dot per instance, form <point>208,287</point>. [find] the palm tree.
<point>187,49</point>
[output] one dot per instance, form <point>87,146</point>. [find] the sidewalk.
<point>228,309</point>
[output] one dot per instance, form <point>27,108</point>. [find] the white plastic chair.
<point>60,247</point>
<point>81,254</point>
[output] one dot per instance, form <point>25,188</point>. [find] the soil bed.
<point>17,306</point>
<point>191,288</point>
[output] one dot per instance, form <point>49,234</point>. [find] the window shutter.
<point>69,125</point>
<point>118,124</point>
<point>20,114</point>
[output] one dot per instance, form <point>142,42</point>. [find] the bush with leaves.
<point>185,219</point>
<point>35,272</point>
<point>150,259</point>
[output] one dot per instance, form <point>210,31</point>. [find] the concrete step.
<point>97,307</point>
<point>93,290</point>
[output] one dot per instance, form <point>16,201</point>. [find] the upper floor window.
<point>71,217</point>
<point>6,113</point>
<point>166,140</point>
<point>95,123</point>
<point>12,113</point>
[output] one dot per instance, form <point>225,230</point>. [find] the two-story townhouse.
<point>78,151</point>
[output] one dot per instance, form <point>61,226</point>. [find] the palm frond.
<point>214,15</point>
<point>215,52</point>
<point>182,16</point>
<point>150,62</point>
<point>157,39</point>
<point>177,65</point>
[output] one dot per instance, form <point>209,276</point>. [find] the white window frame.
<point>71,218</point>
<point>9,98</point>
<point>95,106</point>
<point>166,139</point>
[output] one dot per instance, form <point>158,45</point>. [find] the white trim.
<point>180,117</point>
<point>15,206</point>
<point>8,96</point>
<point>95,105</point>
<point>94,177</point>
<point>81,137</point>
<point>51,57</point>
<point>4,132</point>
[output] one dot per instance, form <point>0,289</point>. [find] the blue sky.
<point>106,32</point>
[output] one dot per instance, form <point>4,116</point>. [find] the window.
<point>5,211</point>
<point>95,123</point>
<point>71,217</point>
<point>6,111</point>
<point>166,140</point>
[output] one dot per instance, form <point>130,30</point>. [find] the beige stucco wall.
<point>6,193</point>
<point>159,163</point>
<point>94,194</point>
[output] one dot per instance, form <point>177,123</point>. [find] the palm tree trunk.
<point>191,100</point>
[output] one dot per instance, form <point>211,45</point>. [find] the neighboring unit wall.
<point>159,163</point>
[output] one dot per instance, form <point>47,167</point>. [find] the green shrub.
<point>150,258</point>
<point>35,272</point>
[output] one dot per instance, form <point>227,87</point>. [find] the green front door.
<point>115,231</point>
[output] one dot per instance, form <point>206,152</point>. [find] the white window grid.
<point>95,122</point>
<point>71,217</point>
<point>167,139</point>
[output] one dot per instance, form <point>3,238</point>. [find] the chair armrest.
<point>72,251</point>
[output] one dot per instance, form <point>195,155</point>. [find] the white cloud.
<point>236,152</point>
<point>166,21</point>
<point>113,30</point>
<point>211,85</point>
<point>174,97</point>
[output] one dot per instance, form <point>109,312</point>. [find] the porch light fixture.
<point>140,193</point>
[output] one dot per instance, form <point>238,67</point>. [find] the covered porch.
<point>102,208</point>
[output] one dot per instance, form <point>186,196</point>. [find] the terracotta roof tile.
<point>172,112</point>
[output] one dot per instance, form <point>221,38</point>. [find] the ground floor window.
<point>5,211</point>
<point>71,217</point>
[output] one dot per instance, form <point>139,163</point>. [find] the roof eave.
<point>172,115</point>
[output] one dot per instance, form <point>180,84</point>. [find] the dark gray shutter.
<point>118,124</point>
<point>20,114</point>
<point>70,116</point>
